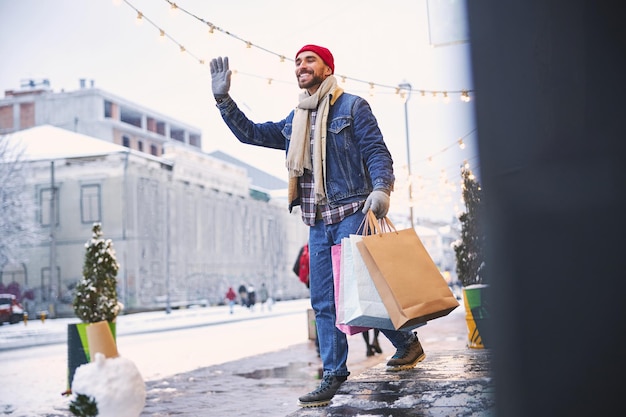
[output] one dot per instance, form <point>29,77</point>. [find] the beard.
<point>311,82</point>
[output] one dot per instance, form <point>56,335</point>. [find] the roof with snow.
<point>49,142</point>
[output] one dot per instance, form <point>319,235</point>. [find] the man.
<point>339,168</point>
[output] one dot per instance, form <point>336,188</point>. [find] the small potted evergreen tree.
<point>95,298</point>
<point>470,261</point>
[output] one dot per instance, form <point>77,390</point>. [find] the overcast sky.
<point>420,42</point>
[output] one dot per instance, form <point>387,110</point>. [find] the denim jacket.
<point>357,158</point>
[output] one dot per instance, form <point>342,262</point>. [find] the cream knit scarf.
<point>299,154</point>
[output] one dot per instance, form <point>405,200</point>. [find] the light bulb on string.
<point>446,99</point>
<point>461,143</point>
<point>139,19</point>
<point>161,35</point>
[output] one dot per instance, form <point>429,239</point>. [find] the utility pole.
<point>407,87</point>
<point>168,305</point>
<point>54,279</point>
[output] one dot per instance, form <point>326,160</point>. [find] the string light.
<point>212,27</point>
<point>139,18</point>
<point>461,144</point>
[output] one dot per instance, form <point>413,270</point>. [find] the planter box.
<point>78,348</point>
<point>477,315</point>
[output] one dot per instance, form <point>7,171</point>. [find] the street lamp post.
<point>407,88</point>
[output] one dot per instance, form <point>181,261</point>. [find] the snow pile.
<point>114,383</point>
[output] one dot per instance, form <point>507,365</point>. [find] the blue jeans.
<point>332,341</point>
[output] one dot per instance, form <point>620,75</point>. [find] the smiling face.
<point>311,70</point>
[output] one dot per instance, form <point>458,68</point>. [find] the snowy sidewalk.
<point>51,331</point>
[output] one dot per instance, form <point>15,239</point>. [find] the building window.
<point>108,109</point>
<point>6,117</point>
<point>194,140</point>
<point>177,133</point>
<point>153,150</point>
<point>126,141</point>
<point>140,146</point>
<point>90,203</point>
<point>130,116</point>
<point>45,208</point>
<point>160,128</point>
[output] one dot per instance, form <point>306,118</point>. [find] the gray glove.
<point>220,76</point>
<point>378,202</point>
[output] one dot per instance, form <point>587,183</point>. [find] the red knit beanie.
<point>323,53</point>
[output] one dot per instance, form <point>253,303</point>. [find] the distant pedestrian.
<point>251,297</point>
<point>263,297</point>
<point>231,296</point>
<point>303,265</point>
<point>243,295</point>
<point>373,347</point>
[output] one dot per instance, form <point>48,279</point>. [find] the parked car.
<point>11,311</point>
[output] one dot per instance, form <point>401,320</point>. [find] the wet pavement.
<point>447,383</point>
<point>453,380</point>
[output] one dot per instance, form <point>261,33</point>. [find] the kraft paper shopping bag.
<point>407,279</point>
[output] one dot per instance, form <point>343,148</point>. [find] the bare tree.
<point>17,208</point>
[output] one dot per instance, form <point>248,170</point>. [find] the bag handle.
<point>365,228</point>
<point>380,226</point>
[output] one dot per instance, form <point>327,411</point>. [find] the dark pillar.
<point>551,116</point>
